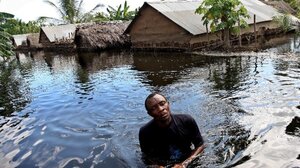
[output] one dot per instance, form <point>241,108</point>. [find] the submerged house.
<point>33,41</point>
<point>61,36</point>
<point>100,36</point>
<point>174,25</point>
<point>20,40</point>
<point>26,41</point>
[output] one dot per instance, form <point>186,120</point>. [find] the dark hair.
<point>150,96</point>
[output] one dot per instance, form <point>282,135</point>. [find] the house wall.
<point>153,30</point>
<point>43,38</point>
<point>213,39</point>
<point>267,25</point>
<point>205,40</point>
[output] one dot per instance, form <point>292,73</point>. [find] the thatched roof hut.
<point>100,36</point>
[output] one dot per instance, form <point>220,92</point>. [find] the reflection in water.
<point>229,73</point>
<point>14,91</point>
<point>161,69</point>
<point>85,109</point>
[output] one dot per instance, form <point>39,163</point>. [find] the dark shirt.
<point>171,144</point>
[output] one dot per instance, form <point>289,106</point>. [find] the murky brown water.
<point>85,110</point>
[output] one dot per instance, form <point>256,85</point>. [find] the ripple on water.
<point>241,105</point>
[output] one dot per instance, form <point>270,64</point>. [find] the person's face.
<point>159,108</point>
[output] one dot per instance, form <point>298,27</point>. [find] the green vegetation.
<point>121,13</point>
<point>295,4</point>
<point>223,15</point>
<point>17,26</point>
<point>71,12</point>
<point>6,47</point>
<point>284,22</point>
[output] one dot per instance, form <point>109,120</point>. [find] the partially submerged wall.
<point>153,30</point>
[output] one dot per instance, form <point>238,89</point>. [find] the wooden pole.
<point>255,35</point>
<point>240,37</point>
<point>207,32</point>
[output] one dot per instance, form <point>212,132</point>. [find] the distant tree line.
<point>70,13</point>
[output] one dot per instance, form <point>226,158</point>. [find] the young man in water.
<point>167,139</point>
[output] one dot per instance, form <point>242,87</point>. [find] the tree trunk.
<point>227,39</point>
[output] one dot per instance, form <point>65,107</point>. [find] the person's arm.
<point>151,163</point>
<point>187,161</point>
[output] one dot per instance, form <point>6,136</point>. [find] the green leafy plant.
<point>223,15</point>
<point>17,26</point>
<point>284,22</point>
<point>6,47</point>
<point>120,13</point>
<point>295,4</point>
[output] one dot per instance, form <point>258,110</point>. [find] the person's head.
<point>158,107</point>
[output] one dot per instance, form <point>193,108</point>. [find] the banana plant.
<point>121,13</point>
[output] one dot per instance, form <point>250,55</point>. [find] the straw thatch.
<point>100,36</point>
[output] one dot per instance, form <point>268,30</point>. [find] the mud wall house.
<point>174,25</point>
<point>33,41</point>
<point>56,37</point>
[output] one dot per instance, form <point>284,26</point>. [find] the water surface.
<point>85,109</point>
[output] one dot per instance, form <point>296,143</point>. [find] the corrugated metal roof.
<point>20,38</point>
<point>57,33</point>
<point>183,13</point>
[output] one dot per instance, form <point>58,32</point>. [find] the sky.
<point>28,10</point>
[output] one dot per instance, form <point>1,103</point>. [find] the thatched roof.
<point>99,36</point>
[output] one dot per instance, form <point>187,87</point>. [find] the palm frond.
<point>56,7</point>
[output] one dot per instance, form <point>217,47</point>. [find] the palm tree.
<point>71,12</point>
<point>6,47</point>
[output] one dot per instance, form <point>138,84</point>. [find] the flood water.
<point>85,109</point>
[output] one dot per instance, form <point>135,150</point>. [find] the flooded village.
<point>73,93</point>
<point>164,26</point>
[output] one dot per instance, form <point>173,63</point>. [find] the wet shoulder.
<point>182,118</point>
<point>147,128</point>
